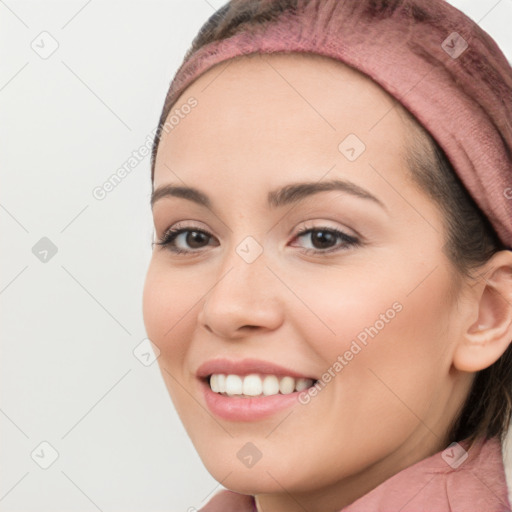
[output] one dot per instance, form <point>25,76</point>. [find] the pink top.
<point>452,480</point>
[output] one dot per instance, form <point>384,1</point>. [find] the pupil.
<point>193,236</point>
<point>323,234</point>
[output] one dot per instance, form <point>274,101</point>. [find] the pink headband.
<point>431,57</point>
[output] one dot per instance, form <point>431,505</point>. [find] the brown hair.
<point>471,240</point>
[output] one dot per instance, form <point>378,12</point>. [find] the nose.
<point>244,297</point>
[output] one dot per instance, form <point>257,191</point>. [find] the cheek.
<point>384,345</point>
<point>168,311</point>
<point>169,319</point>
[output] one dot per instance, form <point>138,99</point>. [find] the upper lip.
<point>245,367</point>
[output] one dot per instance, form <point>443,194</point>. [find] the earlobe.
<point>485,339</point>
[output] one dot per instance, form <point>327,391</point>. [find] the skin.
<point>262,123</point>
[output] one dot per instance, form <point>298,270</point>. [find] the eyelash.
<point>170,235</point>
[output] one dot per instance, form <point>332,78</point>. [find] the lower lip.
<point>246,409</point>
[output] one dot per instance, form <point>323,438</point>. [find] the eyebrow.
<point>289,194</point>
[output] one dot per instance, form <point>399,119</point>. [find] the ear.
<point>488,331</point>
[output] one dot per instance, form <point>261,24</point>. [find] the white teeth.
<point>302,384</point>
<point>256,385</point>
<point>233,385</point>
<point>270,385</point>
<point>252,385</point>
<point>287,385</point>
<point>214,383</point>
<point>221,383</point>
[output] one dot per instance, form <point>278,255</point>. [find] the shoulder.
<point>460,478</point>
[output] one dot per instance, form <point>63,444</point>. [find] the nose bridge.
<point>243,293</point>
<point>244,275</point>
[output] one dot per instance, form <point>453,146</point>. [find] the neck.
<point>344,492</point>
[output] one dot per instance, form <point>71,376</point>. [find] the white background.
<point>69,326</point>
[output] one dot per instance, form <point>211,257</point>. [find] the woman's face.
<point>370,314</point>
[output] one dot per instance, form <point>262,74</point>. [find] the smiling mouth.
<point>256,385</point>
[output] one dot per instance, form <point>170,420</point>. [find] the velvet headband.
<point>437,62</point>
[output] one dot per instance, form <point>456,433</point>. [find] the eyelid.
<point>185,225</point>
<point>324,224</point>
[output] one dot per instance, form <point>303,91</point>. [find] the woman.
<point>331,285</point>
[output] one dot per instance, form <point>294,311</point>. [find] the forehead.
<point>259,117</point>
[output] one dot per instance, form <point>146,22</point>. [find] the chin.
<point>255,480</point>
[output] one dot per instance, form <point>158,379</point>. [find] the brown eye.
<point>195,238</point>
<point>191,238</point>
<point>324,239</point>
